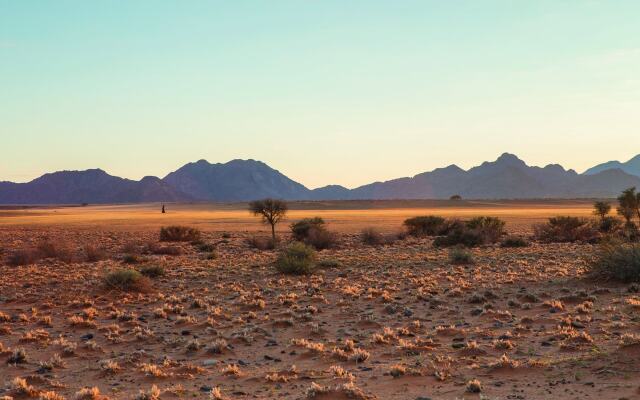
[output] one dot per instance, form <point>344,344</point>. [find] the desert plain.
<point>392,321</point>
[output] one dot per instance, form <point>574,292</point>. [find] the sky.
<point>325,91</point>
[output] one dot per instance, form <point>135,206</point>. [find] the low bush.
<point>514,241</point>
<point>489,229</point>
<point>152,271</point>
<point>132,248</point>
<point>372,237</point>
<point>429,225</point>
<point>475,232</point>
<point>298,258</point>
<point>320,238</point>
<point>131,259</point>
<point>566,229</point>
<point>312,232</point>
<point>205,247</point>
<point>610,225</point>
<point>300,230</point>
<point>261,243</point>
<point>58,250</point>
<point>617,261</point>
<point>22,257</point>
<point>126,280</point>
<point>94,253</point>
<point>460,256</point>
<point>178,233</point>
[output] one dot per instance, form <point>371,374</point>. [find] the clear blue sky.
<point>326,91</point>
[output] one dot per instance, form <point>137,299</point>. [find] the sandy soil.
<point>390,322</point>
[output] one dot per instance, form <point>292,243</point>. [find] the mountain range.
<point>508,177</point>
<point>631,167</point>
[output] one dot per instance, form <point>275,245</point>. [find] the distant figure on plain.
<point>163,211</point>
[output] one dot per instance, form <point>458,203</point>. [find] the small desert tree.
<point>629,205</point>
<point>601,208</point>
<point>272,211</point>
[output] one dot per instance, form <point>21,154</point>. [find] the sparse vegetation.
<point>475,232</point>
<point>610,225</point>
<point>152,271</point>
<point>429,225</point>
<point>629,205</point>
<point>176,233</point>
<point>261,243</point>
<point>617,261</point>
<point>312,231</point>
<point>300,229</point>
<point>126,280</point>
<point>59,250</point>
<point>409,311</point>
<point>22,257</point>
<point>372,237</point>
<point>601,208</point>
<point>459,255</point>
<point>514,241</point>
<point>566,229</point>
<point>272,211</point>
<point>94,253</point>
<point>297,258</point>
<point>153,248</point>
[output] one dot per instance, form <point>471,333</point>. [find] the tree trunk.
<point>273,232</point>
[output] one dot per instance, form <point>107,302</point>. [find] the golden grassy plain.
<point>343,216</point>
<point>396,321</point>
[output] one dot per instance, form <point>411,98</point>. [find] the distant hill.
<point>237,180</point>
<point>508,177</point>
<point>631,167</point>
<point>90,186</point>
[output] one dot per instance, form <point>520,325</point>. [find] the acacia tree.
<point>601,208</point>
<point>272,211</point>
<point>629,205</point>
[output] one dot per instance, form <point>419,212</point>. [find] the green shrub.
<point>126,280</point>
<point>617,261</point>
<point>459,255</point>
<point>300,229</point>
<point>152,271</point>
<point>298,258</point>
<point>177,233</point>
<point>514,241</point>
<point>429,225</point>
<point>566,229</point>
